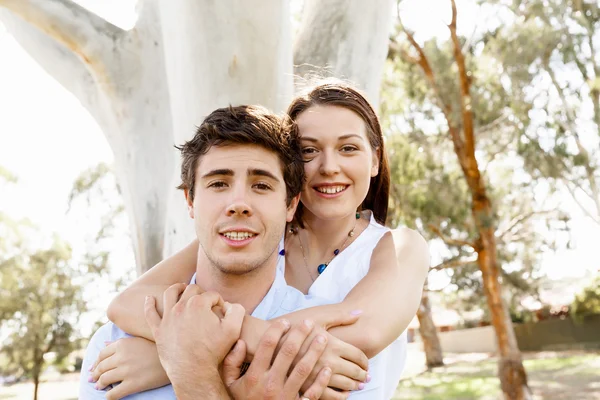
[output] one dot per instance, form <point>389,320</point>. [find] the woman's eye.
<point>348,149</point>
<point>309,150</point>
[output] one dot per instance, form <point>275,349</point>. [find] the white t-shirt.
<point>334,284</point>
<point>280,299</point>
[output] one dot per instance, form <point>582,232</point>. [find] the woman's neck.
<point>323,236</point>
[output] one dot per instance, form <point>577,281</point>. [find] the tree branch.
<point>58,61</point>
<point>455,262</point>
<point>87,35</point>
<point>519,220</point>
<point>571,190</point>
<point>423,62</point>
<point>450,241</point>
<point>465,88</point>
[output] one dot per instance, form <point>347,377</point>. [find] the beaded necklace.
<point>321,268</point>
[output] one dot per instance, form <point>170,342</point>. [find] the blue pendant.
<point>321,268</point>
<point>336,252</point>
<point>282,252</point>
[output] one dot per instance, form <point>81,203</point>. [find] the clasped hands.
<point>195,341</point>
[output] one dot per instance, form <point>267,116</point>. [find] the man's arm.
<point>203,383</point>
<point>192,340</point>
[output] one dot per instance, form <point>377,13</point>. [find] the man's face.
<point>239,207</point>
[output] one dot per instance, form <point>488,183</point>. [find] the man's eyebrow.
<point>218,172</point>
<point>343,137</point>
<point>262,172</point>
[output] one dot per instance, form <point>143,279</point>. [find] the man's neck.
<point>247,289</point>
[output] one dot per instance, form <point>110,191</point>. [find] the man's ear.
<point>375,162</point>
<point>190,203</point>
<point>291,209</point>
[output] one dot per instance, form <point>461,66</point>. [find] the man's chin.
<point>237,269</point>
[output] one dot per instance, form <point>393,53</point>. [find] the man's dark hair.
<point>252,125</point>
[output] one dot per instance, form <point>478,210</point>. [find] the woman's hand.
<point>131,365</point>
<point>348,365</point>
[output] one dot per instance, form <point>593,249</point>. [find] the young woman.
<point>336,248</point>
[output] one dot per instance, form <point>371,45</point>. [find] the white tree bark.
<point>349,38</point>
<point>221,52</point>
<point>119,77</point>
<point>150,86</point>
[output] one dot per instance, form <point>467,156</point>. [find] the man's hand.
<point>191,339</point>
<point>266,381</point>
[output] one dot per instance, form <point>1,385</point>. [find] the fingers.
<point>305,366</point>
<point>103,366</point>
<point>106,352</point>
<point>190,290</point>
<point>232,364</point>
<point>206,300</point>
<point>348,369</point>
<point>266,347</point>
<point>171,296</point>
<point>108,378</point>
<point>316,390</point>
<point>342,319</point>
<point>152,317</point>
<point>342,382</point>
<point>233,319</point>
<point>291,347</point>
<point>355,356</point>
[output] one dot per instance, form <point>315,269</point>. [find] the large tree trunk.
<point>348,39</point>
<point>150,86</point>
<point>36,385</point>
<point>513,378</point>
<point>431,342</point>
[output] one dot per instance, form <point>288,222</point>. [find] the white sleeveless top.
<point>341,275</point>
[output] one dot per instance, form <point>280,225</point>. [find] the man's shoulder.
<point>108,332</point>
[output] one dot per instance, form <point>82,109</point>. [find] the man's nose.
<point>239,204</point>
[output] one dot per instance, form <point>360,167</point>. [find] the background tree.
<point>549,50</point>
<point>587,303</point>
<point>42,284</point>
<point>41,304</point>
<point>472,193</point>
<point>148,87</point>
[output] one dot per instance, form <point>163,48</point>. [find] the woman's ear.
<point>375,162</point>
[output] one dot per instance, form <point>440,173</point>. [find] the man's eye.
<point>217,185</point>
<point>262,186</point>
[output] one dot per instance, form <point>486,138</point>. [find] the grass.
<point>552,376</point>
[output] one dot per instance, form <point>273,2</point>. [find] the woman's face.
<point>339,161</point>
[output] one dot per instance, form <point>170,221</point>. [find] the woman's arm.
<point>388,296</point>
<point>127,309</point>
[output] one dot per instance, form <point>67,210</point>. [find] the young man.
<point>241,177</point>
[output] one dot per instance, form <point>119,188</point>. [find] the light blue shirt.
<point>280,299</point>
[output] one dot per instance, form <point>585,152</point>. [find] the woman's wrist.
<point>252,331</point>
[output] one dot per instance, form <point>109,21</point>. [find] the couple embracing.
<point>293,287</point>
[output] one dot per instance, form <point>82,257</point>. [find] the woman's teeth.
<point>331,189</point>
<point>238,235</point>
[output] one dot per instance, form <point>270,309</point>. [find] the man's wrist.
<point>200,382</point>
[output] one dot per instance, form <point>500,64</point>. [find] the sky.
<point>47,139</point>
